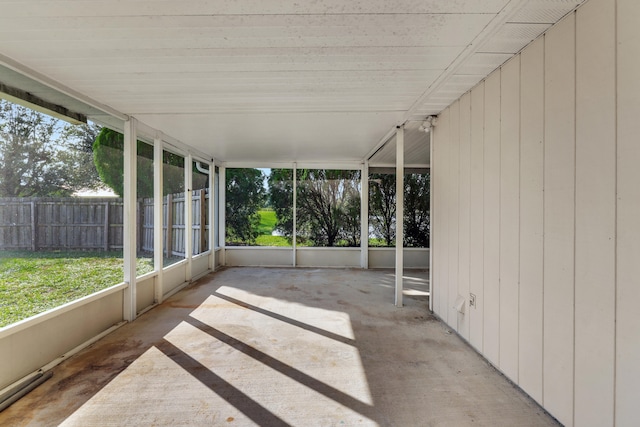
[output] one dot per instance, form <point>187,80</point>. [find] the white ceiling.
<point>270,80</point>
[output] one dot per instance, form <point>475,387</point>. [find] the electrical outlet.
<point>472,300</point>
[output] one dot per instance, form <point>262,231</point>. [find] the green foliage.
<point>268,240</point>
<point>79,140</point>
<point>329,206</point>
<point>416,210</point>
<point>41,155</point>
<point>109,160</point>
<point>382,209</point>
<point>108,156</point>
<point>281,199</point>
<point>245,196</point>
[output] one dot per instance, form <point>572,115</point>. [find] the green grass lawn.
<point>34,282</point>
<point>268,222</point>
<point>379,243</point>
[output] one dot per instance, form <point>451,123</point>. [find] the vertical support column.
<point>106,226</point>
<point>294,238</point>
<point>431,246</point>
<point>212,214</point>
<point>34,226</point>
<point>364,215</point>
<point>129,199</point>
<point>169,237</point>
<point>399,213</point>
<point>158,206</point>
<point>188,215</point>
<point>139,223</point>
<point>222,207</point>
<point>202,218</point>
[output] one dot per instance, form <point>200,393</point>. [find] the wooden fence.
<point>97,223</point>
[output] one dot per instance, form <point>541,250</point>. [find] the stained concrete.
<point>275,347</point>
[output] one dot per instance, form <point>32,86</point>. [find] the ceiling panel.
<point>544,11</point>
<point>271,80</point>
<point>483,63</point>
<point>512,37</point>
<point>273,137</point>
<point>416,148</point>
<point>65,8</point>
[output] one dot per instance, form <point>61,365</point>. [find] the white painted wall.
<point>537,212</point>
<point>411,258</point>
<point>255,256</point>
<point>33,343</point>
<point>145,294</point>
<point>328,257</point>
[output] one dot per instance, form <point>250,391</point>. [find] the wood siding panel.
<point>627,379</point>
<point>441,174</point>
<point>454,206</point>
<point>464,212</point>
<point>595,214</point>
<point>531,218</point>
<point>476,230</point>
<point>559,205</point>
<point>492,218</point>
<point>509,216</point>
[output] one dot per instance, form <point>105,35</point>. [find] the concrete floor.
<point>276,347</point>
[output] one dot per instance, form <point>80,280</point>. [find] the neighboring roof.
<point>268,80</point>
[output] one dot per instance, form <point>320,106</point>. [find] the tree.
<point>108,156</point>
<point>328,203</point>
<point>245,196</point>
<point>80,139</point>
<point>382,206</point>
<point>416,210</point>
<point>37,155</point>
<point>280,184</point>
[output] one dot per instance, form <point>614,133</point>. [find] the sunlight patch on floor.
<point>316,349</point>
<point>286,382</point>
<point>154,390</point>
<point>332,321</point>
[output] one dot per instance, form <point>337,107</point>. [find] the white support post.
<point>295,213</point>
<point>158,219</point>
<point>431,246</point>
<point>212,214</point>
<point>399,213</point>
<point>364,216</point>
<point>188,215</point>
<point>129,226</point>
<point>222,207</point>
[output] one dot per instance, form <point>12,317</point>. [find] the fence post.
<point>139,227</point>
<point>106,226</point>
<point>34,226</point>
<point>203,221</point>
<point>169,244</point>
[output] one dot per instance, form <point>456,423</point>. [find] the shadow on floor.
<point>275,347</point>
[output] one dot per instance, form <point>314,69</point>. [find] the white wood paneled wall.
<point>537,212</point>
<point>491,217</point>
<point>476,218</point>
<point>627,214</point>
<point>531,219</point>
<point>559,214</point>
